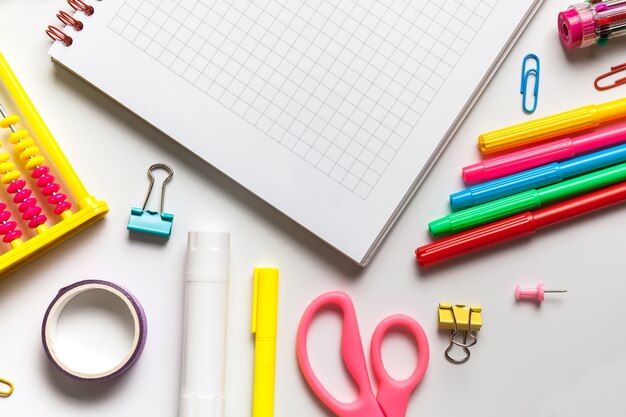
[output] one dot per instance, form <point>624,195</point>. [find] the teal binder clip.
<point>148,221</point>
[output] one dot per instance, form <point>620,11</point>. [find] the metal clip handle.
<point>464,345</point>
<point>170,171</point>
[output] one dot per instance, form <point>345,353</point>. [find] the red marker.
<point>513,227</point>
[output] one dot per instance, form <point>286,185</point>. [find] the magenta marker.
<point>545,153</point>
<point>592,23</point>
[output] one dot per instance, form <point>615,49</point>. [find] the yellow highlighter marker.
<point>551,126</point>
<point>264,320</point>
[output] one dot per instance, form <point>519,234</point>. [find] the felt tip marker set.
<point>519,196</point>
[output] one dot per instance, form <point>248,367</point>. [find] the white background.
<point>562,358</point>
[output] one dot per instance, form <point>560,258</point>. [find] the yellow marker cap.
<point>265,302</point>
<point>552,126</point>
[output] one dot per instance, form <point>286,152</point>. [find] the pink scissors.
<point>393,395</point>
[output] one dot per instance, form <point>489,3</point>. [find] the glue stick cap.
<point>208,256</point>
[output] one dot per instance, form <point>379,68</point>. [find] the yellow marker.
<point>552,126</point>
<point>264,320</point>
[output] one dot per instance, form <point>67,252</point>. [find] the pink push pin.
<point>537,294</point>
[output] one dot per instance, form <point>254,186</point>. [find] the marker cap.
<point>208,255</point>
<point>462,199</point>
<point>265,302</point>
<point>440,226</point>
<point>473,173</point>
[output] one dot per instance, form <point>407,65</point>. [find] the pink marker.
<point>536,294</point>
<point>545,153</point>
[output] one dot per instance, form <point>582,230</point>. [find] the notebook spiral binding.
<point>67,19</point>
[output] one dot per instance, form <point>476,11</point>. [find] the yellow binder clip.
<point>8,391</point>
<point>463,320</point>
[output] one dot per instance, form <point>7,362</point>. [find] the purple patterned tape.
<point>48,328</point>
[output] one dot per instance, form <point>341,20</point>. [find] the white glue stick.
<point>204,333</point>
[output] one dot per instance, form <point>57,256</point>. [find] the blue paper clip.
<point>148,221</point>
<point>525,76</point>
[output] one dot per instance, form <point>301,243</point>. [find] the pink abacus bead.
<point>56,198</point>
<point>8,228</point>
<point>50,189</point>
<point>31,211</point>
<point>4,215</point>
<point>64,206</point>
<point>39,171</point>
<point>37,221</point>
<point>12,235</point>
<point>45,179</point>
<point>16,186</point>
<point>22,195</point>
<point>27,205</point>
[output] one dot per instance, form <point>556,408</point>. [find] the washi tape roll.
<point>102,360</point>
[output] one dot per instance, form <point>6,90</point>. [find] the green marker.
<point>528,200</point>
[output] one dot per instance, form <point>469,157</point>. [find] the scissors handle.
<point>352,353</point>
<point>393,395</point>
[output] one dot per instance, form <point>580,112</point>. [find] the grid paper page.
<point>341,84</point>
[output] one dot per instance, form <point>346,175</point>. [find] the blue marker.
<point>537,177</point>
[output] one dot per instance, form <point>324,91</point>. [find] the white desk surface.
<point>560,359</point>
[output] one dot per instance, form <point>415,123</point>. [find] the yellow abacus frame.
<point>89,208</point>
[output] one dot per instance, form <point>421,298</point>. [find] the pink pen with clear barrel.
<point>545,153</point>
<point>592,23</point>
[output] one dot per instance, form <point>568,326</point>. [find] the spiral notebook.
<point>331,111</point>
